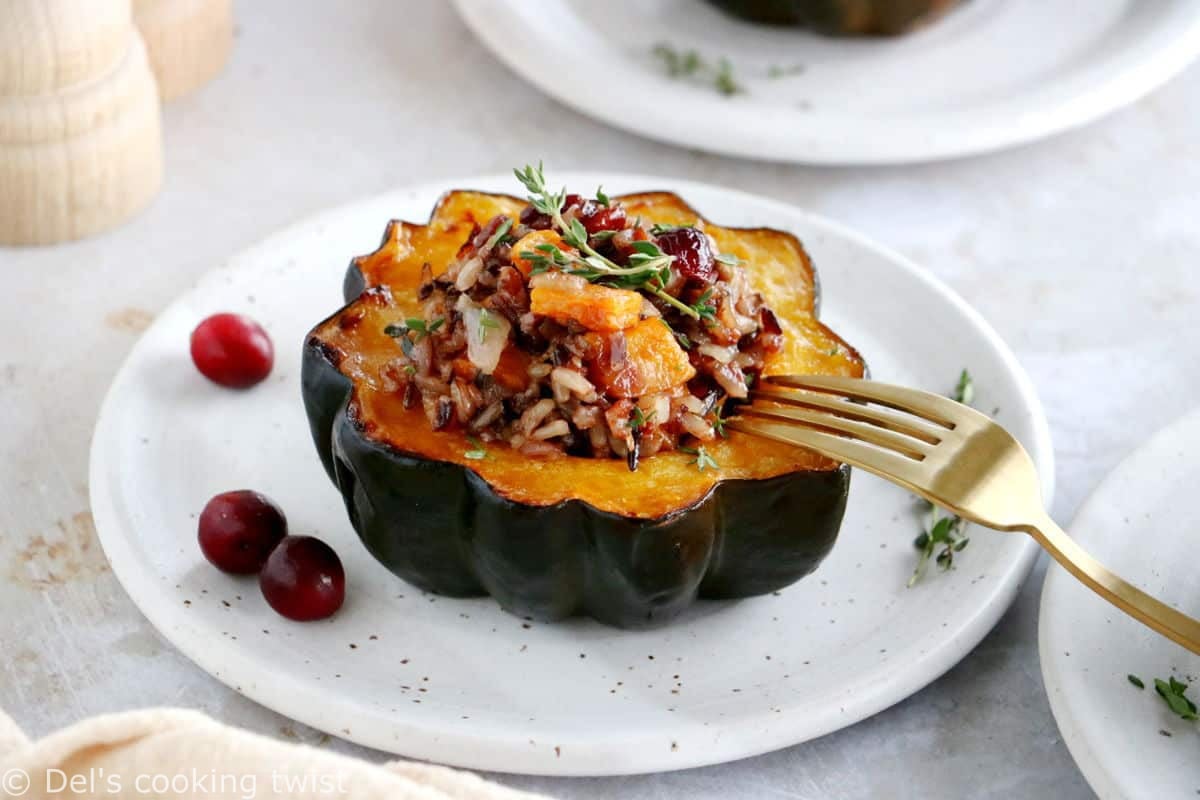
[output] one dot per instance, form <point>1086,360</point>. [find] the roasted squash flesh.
<point>663,484</point>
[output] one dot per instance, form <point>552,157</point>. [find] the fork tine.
<point>907,424</point>
<point>885,463</point>
<point>864,431</point>
<point>933,407</point>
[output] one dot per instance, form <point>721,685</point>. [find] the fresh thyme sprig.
<point>648,269</point>
<point>943,532</point>
<point>689,63</point>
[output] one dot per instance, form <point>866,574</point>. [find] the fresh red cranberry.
<point>303,579</point>
<point>238,530</point>
<point>232,350</point>
<point>532,218</point>
<point>693,255</point>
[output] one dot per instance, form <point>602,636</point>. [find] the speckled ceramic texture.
<point>1141,521</point>
<point>462,682</point>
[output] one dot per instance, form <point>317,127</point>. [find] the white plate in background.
<point>464,683</point>
<point>988,75</point>
<point>1143,521</point>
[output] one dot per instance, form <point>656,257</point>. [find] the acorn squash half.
<point>568,535</point>
<point>841,17</point>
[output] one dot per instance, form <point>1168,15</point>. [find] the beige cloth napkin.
<point>178,754</point>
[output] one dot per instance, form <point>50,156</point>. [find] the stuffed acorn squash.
<point>526,399</point>
<point>841,17</point>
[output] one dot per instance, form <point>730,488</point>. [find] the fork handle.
<point>1173,624</point>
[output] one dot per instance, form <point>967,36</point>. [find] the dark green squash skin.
<point>442,528</point>
<point>839,17</point>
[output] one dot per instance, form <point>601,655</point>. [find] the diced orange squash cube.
<point>569,298</point>
<point>642,360</point>
<point>512,370</point>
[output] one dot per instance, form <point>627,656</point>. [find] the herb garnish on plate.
<point>690,64</point>
<point>943,534</point>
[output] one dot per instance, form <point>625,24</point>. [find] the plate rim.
<point>451,745</point>
<point>1100,778</point>
<point>998,126</point>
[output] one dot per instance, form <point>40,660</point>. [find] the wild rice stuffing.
<point>575,329</point>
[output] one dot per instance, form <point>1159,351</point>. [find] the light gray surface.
<point>1082,251</point>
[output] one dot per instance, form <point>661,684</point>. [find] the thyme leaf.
<point>775,71</point>
<point>660,228</point>
<point>477,451</point>
<point>718,422</point>
<point>704,309</point>
<point>702,459</point>
<point>486,323</point>
<point>964,390</point>
<point>690,64</point>
<point>499,235</point>
<point>1172,692</point>
<point>640,419</point>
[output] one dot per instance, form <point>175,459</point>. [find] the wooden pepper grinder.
<point>188,41</point>
<point>80,123</point>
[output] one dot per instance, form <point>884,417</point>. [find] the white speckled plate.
<point>1143,521</point>
<point>460,681</point>
<point>991,74</point>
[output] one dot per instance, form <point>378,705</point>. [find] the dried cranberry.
<point>532,218</point>
<point>232,350</point>
<point>693,254</point>
<point>238,530</point>
<point>596,217</point>
<point>303,579</point>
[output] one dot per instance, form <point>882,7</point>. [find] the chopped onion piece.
<point>487,335</point>
<point>722,354</point>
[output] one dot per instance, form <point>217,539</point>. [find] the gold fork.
<point>947,453</point>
